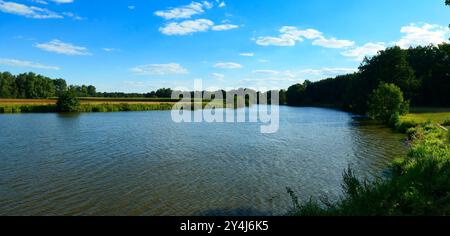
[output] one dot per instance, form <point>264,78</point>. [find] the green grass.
<point>424,115</point>
<point>86,108</point>
<point>105,107</point>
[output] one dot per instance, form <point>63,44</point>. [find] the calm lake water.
<point>141,163</point>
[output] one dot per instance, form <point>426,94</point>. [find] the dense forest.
<point>422,73</point>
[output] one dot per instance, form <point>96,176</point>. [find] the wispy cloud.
<point>62,1</point>
<point>228,65</point>
<point>367,50</point>
<point>111,49</point>
<point>186,27</point>
<point>27,11</point>
<point>189,27</point>
<point>73,15</point>
<point>183,12</point>
<point>247,54</point>
<point>159,69</point>
<point>297,75</point>
<point>290,35</point>
<point>60,47</point>
<point>29,64</point>
<point>224,27</point>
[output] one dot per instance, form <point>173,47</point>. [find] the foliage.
<point>32,86</point>
<point>68,102</point>
<point>446,122</point>
<point>419,184</point>
<point>387,104</point>
<point>422,73</point>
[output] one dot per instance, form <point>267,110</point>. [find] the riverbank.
<point>418,184</point>
<point>92,105</point>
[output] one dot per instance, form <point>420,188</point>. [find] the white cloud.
<point>131,7</point>
<point>159,69</point>
<point>367,50</point>
<point>228,65</point>
<point>274,41</point>
<point>222,4</point>
<point>21,63</point>
<point>60,47</point>
<point>184,12</point>
<point>224,27</point>
<point>27,11</point>
<point>423,35</point>
<point>289,36</point>
<point>186,27</point>
<point>247,54</point>
<point>333,43</point>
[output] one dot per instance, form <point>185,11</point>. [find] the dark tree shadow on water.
<point>69,115</point>
<point>234,212</point>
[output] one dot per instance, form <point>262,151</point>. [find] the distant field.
<point>424,114</point>
<point>88,101</point>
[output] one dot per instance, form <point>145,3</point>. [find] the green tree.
<point>68,102</point>
<point>387,101</point>
<point>295,94</point>
<point>92,91</point>
<point>60,86</point>
<point>7,85</point>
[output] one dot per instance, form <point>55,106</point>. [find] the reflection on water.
<point>141,163</point>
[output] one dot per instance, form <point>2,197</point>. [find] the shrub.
<point>386,101</point>
<point>68,102</point>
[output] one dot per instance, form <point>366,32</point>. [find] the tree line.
<point>34,86</point>
<point>422,74</point>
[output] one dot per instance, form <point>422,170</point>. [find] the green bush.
<point>386,101</point>
<point>68,102</point>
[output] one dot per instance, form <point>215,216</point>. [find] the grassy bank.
<point>86,108</point>
<point>101,105</point>
<point>419,184</point>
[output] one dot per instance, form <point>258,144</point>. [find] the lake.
<point>142,163</point>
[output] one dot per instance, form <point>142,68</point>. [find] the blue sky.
<point>142,45</point>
